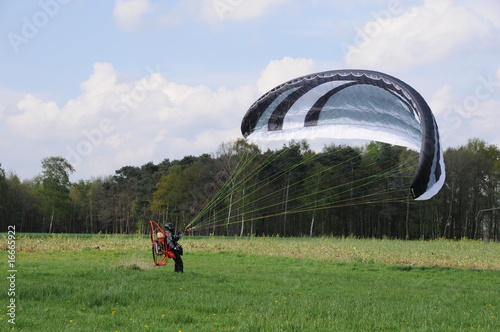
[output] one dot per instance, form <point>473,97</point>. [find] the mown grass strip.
<point>464,254</point>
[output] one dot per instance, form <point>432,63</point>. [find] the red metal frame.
<point>161,252</point>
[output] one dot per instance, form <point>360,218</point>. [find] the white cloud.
<point>35,118</point>
<point>488,9</point>
<point>131,15</point>
<point>102,80</point>
<point>469,114</point>
<point>100,92</point>
<point>486,120</point>
<point>153,118</point>
<point>128,14</point>
<point>280,71</point>
<point>238,10</point>
<point>111,124</point>
<point>422,35</point>
<point>442,99</point>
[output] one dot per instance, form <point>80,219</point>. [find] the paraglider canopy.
<point>353,104</point>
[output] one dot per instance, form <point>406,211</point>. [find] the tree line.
<point>241,190</point>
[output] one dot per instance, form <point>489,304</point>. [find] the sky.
<point>107,84</point>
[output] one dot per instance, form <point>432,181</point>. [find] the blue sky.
<point>107,84</point>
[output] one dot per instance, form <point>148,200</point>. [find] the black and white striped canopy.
<point>352,104</point>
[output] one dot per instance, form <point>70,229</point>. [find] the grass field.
<point>108,283</point>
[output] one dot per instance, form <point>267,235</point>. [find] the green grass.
<point>226,288</point>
